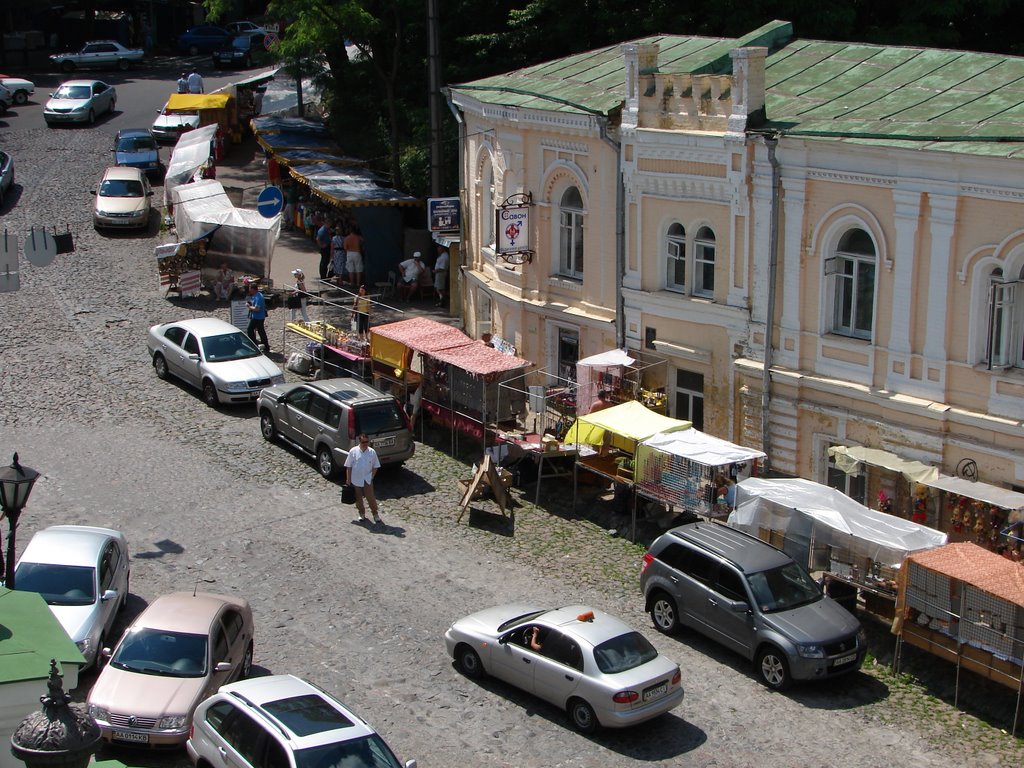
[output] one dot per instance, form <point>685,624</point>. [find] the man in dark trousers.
<point>257,305</point>
<point>323,242</point>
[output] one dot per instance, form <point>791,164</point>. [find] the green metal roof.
<point>30,636</point>
<point>919,98</point>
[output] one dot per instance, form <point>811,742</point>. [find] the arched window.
<point>570,234</point>
<point>675,258</point>
<point>1005,343</point>
<point>852,268</point>
<point>704,263</point>
<point>487,206</point>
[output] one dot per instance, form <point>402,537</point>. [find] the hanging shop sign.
<point>444,214</point>
<point>513,229</point>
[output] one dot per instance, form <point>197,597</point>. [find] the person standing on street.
<point>338,255</point>
<point>361,306</point>
<point>361,466</point>
<point>353,245</point>
<point>195,82</point>
<point>323,242</point>
<point>297,301</point>
<point>183,83</point>
<point>257,305</point>
<point>441,274</point>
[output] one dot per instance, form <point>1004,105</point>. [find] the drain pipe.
<point>770,142</point>
<point>620,235</point>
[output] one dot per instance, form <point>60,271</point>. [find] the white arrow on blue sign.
<point>270,202</point>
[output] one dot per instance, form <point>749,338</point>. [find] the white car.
<point>169,126</point>
<point>122,199</point>
<point>246,28</point>
<point>282,721</point>
<point>213,356</point>
<point>82,572</point>
<point>595,667</point>
<point>20,88</point>
<point>98,53</point>
<point>80,101</point>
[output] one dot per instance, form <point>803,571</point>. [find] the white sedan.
<point>169,126</point>
<point>80,101</point>
<point>20,88</point>
<point>213,356</point>
<point>82,572</point>
<point>597,668</point>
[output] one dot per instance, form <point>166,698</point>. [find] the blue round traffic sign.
<point>270,202</point>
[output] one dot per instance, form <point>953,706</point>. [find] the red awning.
<point>422,334</point>
<point>479,359</point>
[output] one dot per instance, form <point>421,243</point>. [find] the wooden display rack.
<point>487,476</point>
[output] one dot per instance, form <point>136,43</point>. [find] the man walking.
<point>361,466</point>
<point>257,305</point>
<point>323,242</point>
<point>195,82</point>
<point>441,274</point>
<point>183,83</point>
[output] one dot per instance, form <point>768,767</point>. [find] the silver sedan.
<point>600,670</point>
<point>80,101</point>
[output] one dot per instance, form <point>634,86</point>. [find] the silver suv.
<point>752,598</point>
<point>282,721</point>
<point>324,418</point>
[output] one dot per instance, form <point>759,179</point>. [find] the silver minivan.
<point>750,597</point>
<point>324,418</point>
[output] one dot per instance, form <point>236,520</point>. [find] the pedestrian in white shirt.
<point>361,465</point>
<point>195,82</point>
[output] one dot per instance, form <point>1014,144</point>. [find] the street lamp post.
<point>16,484</point>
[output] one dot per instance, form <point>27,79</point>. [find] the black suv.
<point>750,597</point>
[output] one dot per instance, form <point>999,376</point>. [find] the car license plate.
<point>844,660</point>
<point>655,692</point>
<point>135,738</point>
<point>383,442</point>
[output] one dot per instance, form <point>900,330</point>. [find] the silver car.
<point>214,357</point>
<point>281,721</point>
<point>600,670</point>
<point>82,572</point>
<point>122,199</point>
<point>80,101</point>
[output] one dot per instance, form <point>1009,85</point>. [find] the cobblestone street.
<point>204,500</point>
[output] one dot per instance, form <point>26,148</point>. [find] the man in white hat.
<point>297,299</point>
<point>412,268</point>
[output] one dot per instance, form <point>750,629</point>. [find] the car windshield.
<point>623,653</point>
<point>162,652</point>
<point>228,346</point>
<point>58,584</point>
<point>121,188</point>
<point>73,92</point>
<point>780,589</point>
<point>242,42</point>
<point>367,752</point>
<point>136,144</point>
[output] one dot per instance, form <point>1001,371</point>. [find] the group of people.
<point>190,83</point>
<point>342,252</point>
<point>412,270</point>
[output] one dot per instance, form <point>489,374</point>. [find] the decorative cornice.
<point>996,193</point>
<point>565,146</point>
<point>851,178</point>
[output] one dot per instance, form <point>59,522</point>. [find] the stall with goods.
<point>622,375</point>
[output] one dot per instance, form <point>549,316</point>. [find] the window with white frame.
<point>483,313</point>
<point>688,398</point>
<point>487,206</point>
<point>1005,343</point>
<point>851,270</point>
<point>675,258</point>
<point>570,234</point>
<point>704,263</point>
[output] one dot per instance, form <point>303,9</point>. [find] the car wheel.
<point>21,97</point>
<point>664,613</point>
<point>209,393</point>
<point>469,663</point>
<point>773,668</point>
<point>325,461</point>
<point>160,366</point>
<point>193,50</point>
<point>122,64</point>
<point>246,663</point>
<point>267,427</point>
<point>582,715</point>
<point>91,118</point>
<point>67,66</point>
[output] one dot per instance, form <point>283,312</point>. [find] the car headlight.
<point>81,108</point>
<point>235,386</point>
<point>811,651</point>
<point>171,723</point>
<point>279,379</point>
<point>99,713</point>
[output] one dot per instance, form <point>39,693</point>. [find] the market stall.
<point>624,375</point>
<point>680,469</point>
<point>219,108</point>
<point>830,532</point>
<point>192,153</point>
<point>614,433</point>
<point>965,605</point>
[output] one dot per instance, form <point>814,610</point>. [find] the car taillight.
<point>648,559</point>
<point>677,677</point>
<point>351,424</point>
<point>625,697</point>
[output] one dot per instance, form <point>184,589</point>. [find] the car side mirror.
<point>740,606</point>
<point>194,356</point>
<point>92,192</point>
<point>105,653</point>
<point>223,666</point>
<point>110,594</point>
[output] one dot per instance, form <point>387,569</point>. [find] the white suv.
<point>283,722</point>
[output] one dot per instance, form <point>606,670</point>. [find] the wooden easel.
<point>486,475</point>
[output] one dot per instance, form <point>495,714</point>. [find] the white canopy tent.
<point>811,514</point>
<point>242,238</point>
<point>191,153</point>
